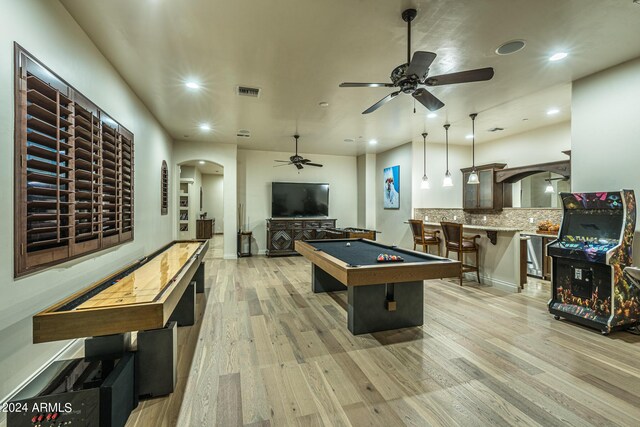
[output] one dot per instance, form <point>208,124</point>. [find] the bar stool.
<point>455,241</point>
<point>424,237</point>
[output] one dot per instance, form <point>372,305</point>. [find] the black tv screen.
<point>299,199</point>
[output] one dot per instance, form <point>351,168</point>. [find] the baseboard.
<point>66,352</point>
<point>496,283</point>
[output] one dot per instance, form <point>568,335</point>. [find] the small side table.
<point>244,237</point>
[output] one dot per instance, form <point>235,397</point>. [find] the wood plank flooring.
<point>268,351</point>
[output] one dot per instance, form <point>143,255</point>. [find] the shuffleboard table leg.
<point>321,281</point>
<point>199,278</point>
<point>97,348</point>
<point>368,310</point>
<point>156,361</point>
<point>185,312</point>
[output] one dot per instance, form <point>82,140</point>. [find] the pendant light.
<point>425,181</point>
<point>473,176</point>
<point>447,182</point>
<point>549,188</point>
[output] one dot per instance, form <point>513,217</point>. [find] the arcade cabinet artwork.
<point>592,281</point>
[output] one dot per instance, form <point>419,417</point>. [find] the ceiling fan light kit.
<point>473,176</point>
<point>410,77</point>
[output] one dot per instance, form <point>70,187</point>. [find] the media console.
<point>283,232</point>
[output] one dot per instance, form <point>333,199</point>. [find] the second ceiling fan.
<point>410,76</point>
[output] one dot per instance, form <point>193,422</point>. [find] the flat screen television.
<point>299,199</point>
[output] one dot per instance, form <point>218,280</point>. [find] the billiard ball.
<point>348,244</point>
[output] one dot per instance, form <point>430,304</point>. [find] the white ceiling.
<point>298,51</point>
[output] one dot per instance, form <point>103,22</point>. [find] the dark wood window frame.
<point>74,170</point>
<point>164,188</point>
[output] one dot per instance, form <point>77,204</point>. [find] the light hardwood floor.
<point>267,351</point>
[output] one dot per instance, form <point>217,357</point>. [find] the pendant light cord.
<point>446,128</point>
<point>424,154</point>
<point>473,146</point>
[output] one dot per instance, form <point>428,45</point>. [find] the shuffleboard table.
<point>381,296</point>
<point>141,296</point>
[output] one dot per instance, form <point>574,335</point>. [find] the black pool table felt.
<point>366,253</point>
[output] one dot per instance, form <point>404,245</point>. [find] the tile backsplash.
<point>509,217</point>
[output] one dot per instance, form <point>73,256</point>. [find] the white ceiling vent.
<point>243,133</point>
<point>253,92</point>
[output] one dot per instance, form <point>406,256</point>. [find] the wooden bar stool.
<point>455,241</point>
<point>424,237</point>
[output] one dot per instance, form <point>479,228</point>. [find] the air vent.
<point>495,129</point>
<point>243,133</point>
<point>253,92</point>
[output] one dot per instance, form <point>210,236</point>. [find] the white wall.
<point>54,38</point>
<point>390,222</point>
<point>256,172</point>
<point>438,196</point>
<point>606,132</point>
<point>212,194</point>
<point>226,156</point>
<point>540,145</point>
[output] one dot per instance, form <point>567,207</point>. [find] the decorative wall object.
<point>164,188</point>
<point>391,194</point>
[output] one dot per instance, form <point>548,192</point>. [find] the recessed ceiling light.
<point>510,47</point>
<point>192,85</point>
<point>552,112</point>
<point>201,162</point>
<point>432,115</point>
<point>470,136</point>
<point>558,56</point>
<point>373,141</point>
<point>205,127</point>
<point>323,104</point>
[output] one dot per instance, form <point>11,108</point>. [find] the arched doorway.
<point>201,203</point>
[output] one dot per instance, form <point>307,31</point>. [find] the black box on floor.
<point>77,392</point>
<point>156,361</point>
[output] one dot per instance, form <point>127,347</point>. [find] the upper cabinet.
<point>488,195</point>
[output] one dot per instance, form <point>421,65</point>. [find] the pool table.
<point>381,296</point>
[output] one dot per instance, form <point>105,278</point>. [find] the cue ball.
<point>348,244</point>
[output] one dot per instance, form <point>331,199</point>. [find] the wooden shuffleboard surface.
<point>146,283</point>
<point>140,296</point>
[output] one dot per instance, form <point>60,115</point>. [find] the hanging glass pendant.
<point>447,181</point>
<point>473,178</point>
<point>425,183</point>
<point>549,188</point>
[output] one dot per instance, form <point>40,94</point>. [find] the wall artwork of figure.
<point>392,187</point>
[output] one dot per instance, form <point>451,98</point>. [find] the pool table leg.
<point>367,311</point>
<point>199,278</point>
<point>321,281</point>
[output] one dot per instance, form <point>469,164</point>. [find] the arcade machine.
<point>591,283</point>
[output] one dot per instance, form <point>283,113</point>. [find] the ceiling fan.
<point>297,160</point>
<point>410,76</point>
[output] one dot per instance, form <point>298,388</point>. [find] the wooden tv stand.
<point>283,232</point>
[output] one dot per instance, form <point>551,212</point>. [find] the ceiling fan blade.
<point>481,74</point>
<point>283,161</point>
<point>298,165</point>
<point>379,104</point>
<point>286,164</point>
<point>428,99</point>
<point>313,164</point>
<point>350,84</point>
<point>420,63</point>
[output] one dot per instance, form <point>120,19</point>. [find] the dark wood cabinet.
<point>204,228</point>
<point>488,195</point>
<point>283,232</point>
